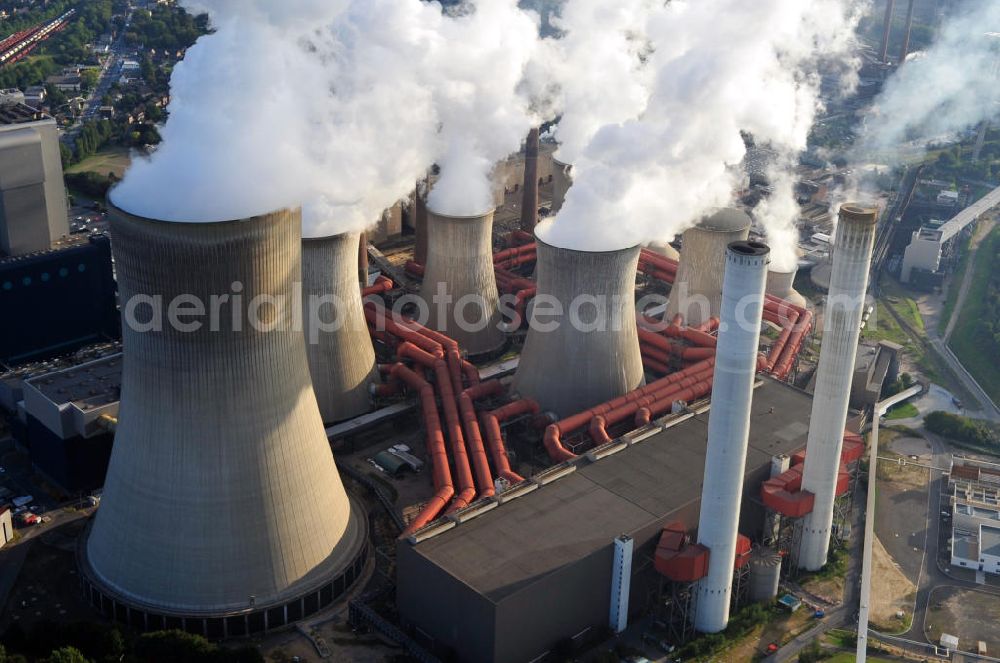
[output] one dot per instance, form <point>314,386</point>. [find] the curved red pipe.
<point>444,490</point>
<point>494,436</point>
<point>473,433</point>
<point>463,471</point>
<point>382,284</point>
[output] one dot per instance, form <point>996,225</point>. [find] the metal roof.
<point>568,519</point>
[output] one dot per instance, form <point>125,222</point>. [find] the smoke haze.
<point>719,67</point>
<point>950,87</point>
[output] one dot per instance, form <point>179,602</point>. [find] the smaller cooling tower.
<point>780,284</point>
<point>459,285</point>
<point>562,179</point>
<point>223,511</point>
<point>590,353</point>
<point>664,249</point>
<point>765,575</point>
<point>697,290</point>
<point>341,356</point>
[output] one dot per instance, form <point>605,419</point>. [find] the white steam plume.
<point>779,213</point>
<point>721,67</point>
<point>476,71</point>
<point>593,73</point>
<point>336,106</point>
<point>950,87</point>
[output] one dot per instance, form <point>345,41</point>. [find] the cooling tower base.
<point>323,587</point>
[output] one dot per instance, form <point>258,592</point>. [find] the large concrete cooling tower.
<point>341,356</point>
<point>590,353</point>
<point>852,257</point>
<point>223,511</point>
<point>781,285</point>
<point>697,291</point>
<point>729,428</point>
<point>562,180</point>
<point>460,286</point>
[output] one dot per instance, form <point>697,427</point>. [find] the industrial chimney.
<point>890,5</point>
<point>697,290</point>
<point>781,285</point>
<point>222,495</point>
<point>460,286</point>
<point>729,428</point>
<point>588,352</point>
<point>529,203</point>
<point>341,356</point>
<point>852,255</point>
<point>562,179</point>
<point>907,30</point>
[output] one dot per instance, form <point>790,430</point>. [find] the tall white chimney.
<point>852,256</point>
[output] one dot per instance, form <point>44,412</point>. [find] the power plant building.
<point>536,572</point>
<point>33,211</point>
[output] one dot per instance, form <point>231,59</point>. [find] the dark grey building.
<point>32,194</point>
<point>513,583</point>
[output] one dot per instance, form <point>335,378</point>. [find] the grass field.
<point>967,341</point>
<point>844,657</point>
<point>112,160</point>
<point>900,300</point>
<point>956,281</point>
<point>903,411</point>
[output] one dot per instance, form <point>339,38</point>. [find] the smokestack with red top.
<point>529,206</point>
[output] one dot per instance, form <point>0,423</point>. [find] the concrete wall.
<point>32,195</point>
<point>435,606</point>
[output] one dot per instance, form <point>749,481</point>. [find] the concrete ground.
<point>901,515</point>
<point>912,446</point>
<point>970,614</point>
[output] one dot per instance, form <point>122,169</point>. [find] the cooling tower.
<point>222,499</point>
<point>341,356</point>
<point>459,286</point>
<point>561,181</point>
<point>780,284</point>
<point>697,290</point>
<point>589,353</point>
<point>729,428</point>
<point>664,249</point>
<point>845,303</point>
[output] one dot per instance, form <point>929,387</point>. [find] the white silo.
<point>845,304</point>
<point>697,290</point>
<point>459,284</point>
<point>729,428</point>
<point>590,354</point>
<point>223,508</point>
<point>339,347</point>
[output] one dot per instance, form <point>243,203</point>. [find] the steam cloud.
<point>718,68</point>
<point>950,87</point>
<point>272,111</point>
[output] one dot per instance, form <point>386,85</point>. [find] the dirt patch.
<point>780,630</point>
<point>828,589</point>
<point>892,593</point>
<point>900,472</point>
<point>969,614</point>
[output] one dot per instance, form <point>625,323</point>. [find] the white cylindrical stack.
<point>221,494</point>
<point>588,352</point>
<point>341,356</point>
<point>729,428</point>
<point>842,328</point>
<point>460,285</point>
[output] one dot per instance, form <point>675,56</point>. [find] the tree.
<point>67,655</point>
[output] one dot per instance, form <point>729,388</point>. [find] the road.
<point>864,600</point>
<point>110,73</point>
